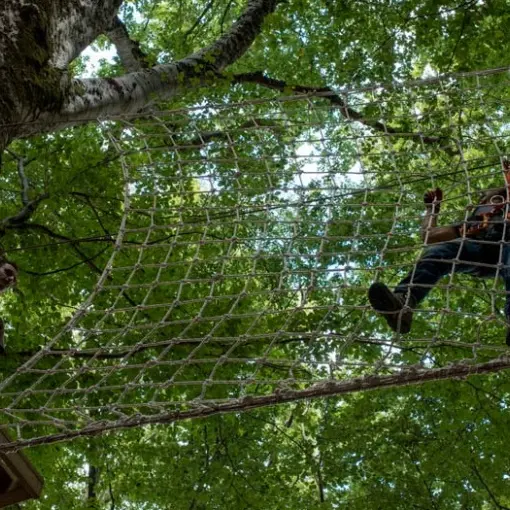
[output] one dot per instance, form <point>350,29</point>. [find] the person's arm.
<point>429,231</point>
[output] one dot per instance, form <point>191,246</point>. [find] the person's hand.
<point>433,198</point>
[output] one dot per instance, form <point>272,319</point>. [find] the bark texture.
<point>132,57</point>
<point>39,39</point>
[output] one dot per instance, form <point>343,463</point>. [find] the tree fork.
<point>38,40</point>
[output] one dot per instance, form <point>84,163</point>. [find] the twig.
<point>88,201</point>
<point>486,487</point>
<point>112,499</point>
<point>206,9</point>
<point>72,242</point>
<point>68,268</point>
<point>224,15</point>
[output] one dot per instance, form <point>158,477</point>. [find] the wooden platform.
<point>19,480</point>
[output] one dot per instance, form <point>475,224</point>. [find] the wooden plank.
<point>19,480</point>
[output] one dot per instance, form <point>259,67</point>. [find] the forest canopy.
<point>208,207</point>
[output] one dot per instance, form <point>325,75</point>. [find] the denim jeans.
<point>438,261</point>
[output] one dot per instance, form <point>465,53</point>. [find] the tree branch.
<point>90,98</point>
<point>24,182</point>
<point>76,25</point>
<point>112,498</point>
<point>206,9</point>
<point>68,268</point>
<point>486,487</point>
<point>404,377</point>
<point>21,172</point>
<point>207,136</point>
<point>225,13</point>
<point>26,213</point>
<point>320,479</point>
<point>93,476</point>
<point>84,198</point>
<point>110,488</point>
<point>328,94</point>
<point>29,206</point>
<point>72,242</point>
<point>131,56</point>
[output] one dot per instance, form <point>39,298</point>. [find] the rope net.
<point>250,235</point>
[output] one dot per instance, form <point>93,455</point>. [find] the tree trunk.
<point>38,40</point>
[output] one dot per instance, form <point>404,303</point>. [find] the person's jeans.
<point>441,259</point>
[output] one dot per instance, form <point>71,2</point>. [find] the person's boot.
<point>392,306</point>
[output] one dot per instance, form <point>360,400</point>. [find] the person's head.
<point>8,274</point>
<point>488,194</point>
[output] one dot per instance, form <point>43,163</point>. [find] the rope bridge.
<point>250,234</point>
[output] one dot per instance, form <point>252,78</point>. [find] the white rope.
<point>250,233</point>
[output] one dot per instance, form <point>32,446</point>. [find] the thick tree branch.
<point>38,40</point>
<point>328,94</point>
<point>89,98</point>
<point>26,213</point>
<point>132,57</point>
<point>236,41</point>
<point>76,25</point>
<point>404,377</point>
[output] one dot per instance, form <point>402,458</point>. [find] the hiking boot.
<point>392,306</point>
